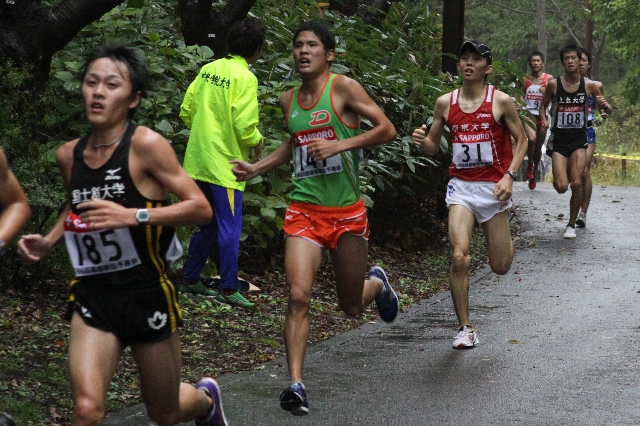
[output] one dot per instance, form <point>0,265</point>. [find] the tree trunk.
<point>31,33</point>
<point>452,34</point>
<point>542,27</point>
<point>200,25</point>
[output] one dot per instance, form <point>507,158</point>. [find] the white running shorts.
<point>477,197</point>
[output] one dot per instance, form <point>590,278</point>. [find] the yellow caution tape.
<point>620,157</point>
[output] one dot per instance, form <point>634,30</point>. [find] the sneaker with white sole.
<point>294,399</point>
<point>581,221</point>
<point>569,233</point>
<point>466,338</point>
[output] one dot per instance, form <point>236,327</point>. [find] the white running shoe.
<point>466,338</point>
<point>570,232</point>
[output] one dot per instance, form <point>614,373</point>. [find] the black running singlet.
<point>569,111</point>
<point>123,256</point>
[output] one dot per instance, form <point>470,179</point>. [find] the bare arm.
<point>430,144</point>
<point>506,112</point>
<point>596,88</point>
<point>155,170</point>
<point>549,94</point>
<point>350,98</point>
<point>16,210</point>
<point>246,171</point>
<point>34,247</point>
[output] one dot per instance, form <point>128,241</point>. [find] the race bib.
<point>570,116</point>
<point>472,154</point>
<point>304,165</point>
<point>98,252</point>
<point>533,100</point>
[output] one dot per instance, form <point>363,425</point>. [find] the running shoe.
<point>466,338</point>
<point>234,299</point>
<point>216,415</point>
<point>387,300</point>
<point>569,233</point>
<point>581,221</point>
<point>198,288</point>
<point>532,183</point>
<point>530,173</point>
<point>294,399</point>
<point>6,420</point>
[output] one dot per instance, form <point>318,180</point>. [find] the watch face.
<point>142,215</point>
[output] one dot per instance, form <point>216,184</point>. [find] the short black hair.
<point>572,47</point>
<point>586,52</point>
<point>327,38</point>
<point>133,60</point>
<point>535,53</point>
<point>245,37</point>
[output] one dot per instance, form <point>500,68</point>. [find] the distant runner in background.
<point>534,88</point>
<point>568,95</point>
<point>587,184</point>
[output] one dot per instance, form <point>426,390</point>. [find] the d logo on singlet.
<point>318,118</point>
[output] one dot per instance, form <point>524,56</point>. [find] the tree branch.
<point>565,23</point>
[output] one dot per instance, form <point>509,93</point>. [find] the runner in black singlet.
<point>119,231</point>
<point>568,139</point>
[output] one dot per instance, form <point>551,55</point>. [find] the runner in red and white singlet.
<point>482,121</point>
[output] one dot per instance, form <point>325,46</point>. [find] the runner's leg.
<point>168,400</point>
<point>496,231</point>
<point>461,221</point>
<point>559,166</point>
<point>93,359</point>
<point>587,188</point>
<point>349,261</point>
<point>302,262</point>
<point>577,164</point>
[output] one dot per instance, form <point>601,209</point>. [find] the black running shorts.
<point>142,313</point>
<point>566,143</point>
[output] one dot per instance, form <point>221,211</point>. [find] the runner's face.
<point>107,92</point>
<point>584,65</point>
<point>570,61</point>
<point>473,66</point>
<point>536,64</point>
<point>310,55</point>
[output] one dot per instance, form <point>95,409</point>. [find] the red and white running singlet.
<point>482,148</point>
<point>533,95</point>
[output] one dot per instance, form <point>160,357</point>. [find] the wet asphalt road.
<point>559,339</point>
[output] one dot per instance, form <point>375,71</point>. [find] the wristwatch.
<point>142,216</point>
<point>513,174</point>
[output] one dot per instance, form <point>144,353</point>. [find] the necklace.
<point>113,142</point>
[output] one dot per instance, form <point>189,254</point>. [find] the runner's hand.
<point>32,248</point>
<point>418,135</point>
<point>504,188</point>
<point>103,214</point>
<point>320,149</point>
<point>244,171</point>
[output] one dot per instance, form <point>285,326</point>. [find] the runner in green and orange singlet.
<point>327,212</point>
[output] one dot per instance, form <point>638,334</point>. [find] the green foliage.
<point>620,21</point>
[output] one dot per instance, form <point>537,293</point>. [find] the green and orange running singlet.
<point>332,182</point>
